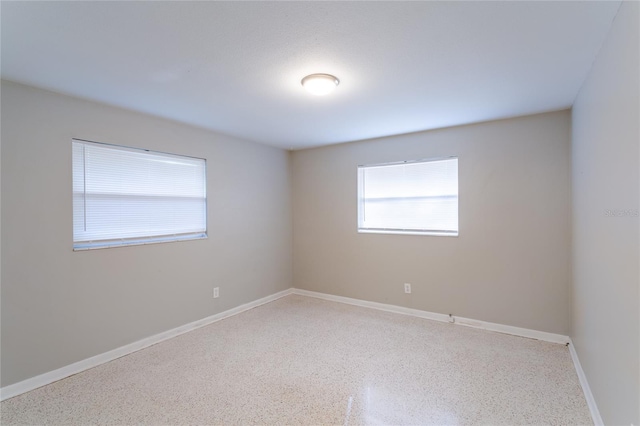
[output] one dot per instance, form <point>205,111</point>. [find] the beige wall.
<point>606,136</point>
<point>60,306</point>
<point>511,262</point>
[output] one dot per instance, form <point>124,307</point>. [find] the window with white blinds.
<point>416,197</point>
<point>125,196</point>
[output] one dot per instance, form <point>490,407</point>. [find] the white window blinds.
<point>131,196</point>
<point>414,197</point>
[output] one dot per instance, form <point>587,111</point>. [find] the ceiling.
<point>235,67</point>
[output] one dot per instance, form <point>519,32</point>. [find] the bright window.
<point>413,197</point>
<point>124,196</point>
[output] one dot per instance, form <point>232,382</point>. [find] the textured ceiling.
<point>235,67</point>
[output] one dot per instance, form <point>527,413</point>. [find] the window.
<point>124,196</point>
<point>412,197</point>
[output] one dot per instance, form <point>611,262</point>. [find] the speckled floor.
<point>300,360</point>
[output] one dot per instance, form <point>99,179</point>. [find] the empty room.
<point>320,213</point>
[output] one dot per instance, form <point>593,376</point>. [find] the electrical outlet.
<point>216,292</point>
<point>407,288</point>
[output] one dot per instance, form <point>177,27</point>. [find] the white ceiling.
<point>235,67</point>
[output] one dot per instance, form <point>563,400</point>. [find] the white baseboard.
<point>501,328</point>
<point>77,367</point>
<point>591,402</point>
<point>467,322</point>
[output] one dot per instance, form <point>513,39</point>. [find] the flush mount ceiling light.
<point>320,84</point>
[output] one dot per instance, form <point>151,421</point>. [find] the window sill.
<point>401,232</point>
<point>136,242</point>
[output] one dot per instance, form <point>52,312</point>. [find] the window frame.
<point>145,240</point>
<point>399,231</point>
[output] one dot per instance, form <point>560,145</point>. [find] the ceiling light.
<point>320,84</point>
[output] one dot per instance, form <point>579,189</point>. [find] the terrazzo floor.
<point>301,360</point>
